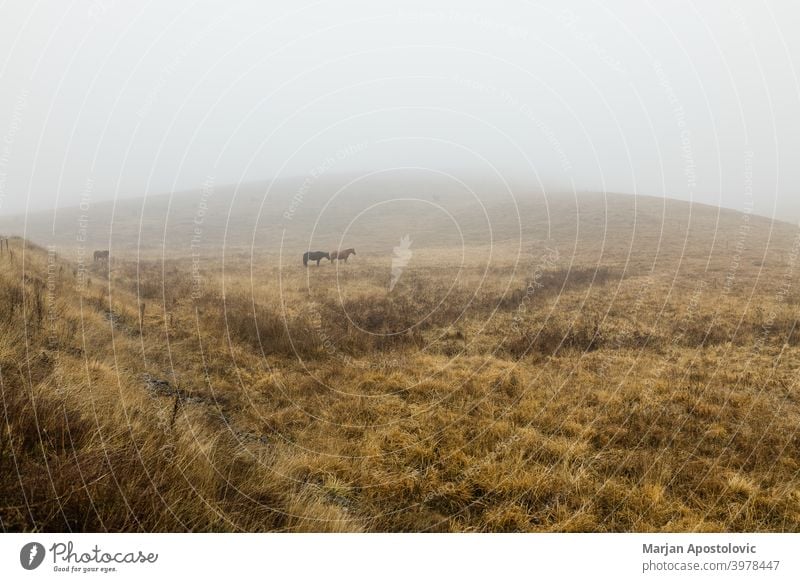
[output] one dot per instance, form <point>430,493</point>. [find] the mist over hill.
<point>306,212</point>
<point>373,212</point>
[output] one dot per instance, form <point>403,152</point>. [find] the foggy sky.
<point>692,100</point>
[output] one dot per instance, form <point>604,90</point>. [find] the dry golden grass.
<point>619,384</point>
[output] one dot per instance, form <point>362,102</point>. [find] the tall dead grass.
<point>608,399</point>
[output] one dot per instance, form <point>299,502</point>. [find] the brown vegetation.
<point>639,389</point>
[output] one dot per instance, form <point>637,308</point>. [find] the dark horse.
<point>101,255</point>
<point>315,256</point>
<point>342,255</point>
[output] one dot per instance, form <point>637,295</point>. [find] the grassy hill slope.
<point>629,365</point>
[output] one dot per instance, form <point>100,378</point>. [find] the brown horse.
<point>342,255</point>
<point>315,256</point>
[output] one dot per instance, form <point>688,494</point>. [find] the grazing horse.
<point>315,256</point>
<point>100,256</point>
<point>342,255</point>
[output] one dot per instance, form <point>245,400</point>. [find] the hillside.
<point>628,364</point>
<point>374,212</point>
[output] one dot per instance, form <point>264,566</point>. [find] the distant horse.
<point>342,255</point>
<point>100,256</point>
<point>315,256</point>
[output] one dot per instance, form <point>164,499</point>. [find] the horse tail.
<point>305,259</point>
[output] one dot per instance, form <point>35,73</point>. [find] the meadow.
<point>593,377</point>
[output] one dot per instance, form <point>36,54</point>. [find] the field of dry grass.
<point>637,380</point>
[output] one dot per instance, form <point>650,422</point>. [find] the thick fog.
<point>695,100</point>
